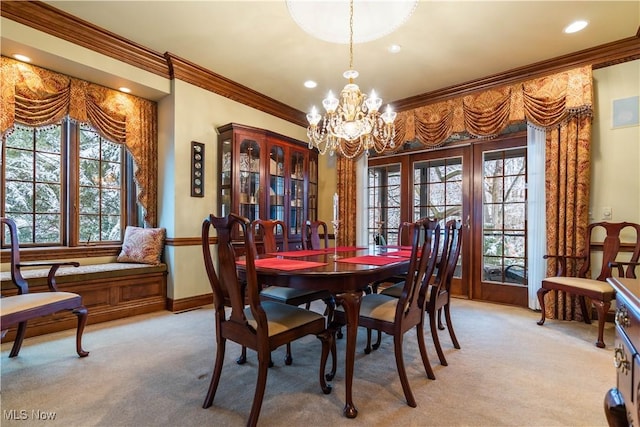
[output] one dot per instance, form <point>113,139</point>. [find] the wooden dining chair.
<point>396,316</point>
<point>267,229</point>
<point>311,235</point>
<point>574,273</point>
<point>259,325</point>
<point>19,309</point>
<point>438,295</point>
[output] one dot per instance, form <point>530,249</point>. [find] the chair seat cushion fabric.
<point>284,294</point>
<point>283,317</point>
<point>580,283</point>
<point>377,306</point>
<point>393,291</point>
<point>11,305</point>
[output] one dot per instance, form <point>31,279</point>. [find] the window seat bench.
<point>109,291</point>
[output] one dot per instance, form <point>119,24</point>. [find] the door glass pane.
<point>503,216</point>
<point>437,193</point>
<point>384,204</point>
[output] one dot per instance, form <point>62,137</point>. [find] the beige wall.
<point>615,170</point>
<point>188,113</point>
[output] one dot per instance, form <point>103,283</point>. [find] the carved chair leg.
<point>328,343</point>
<point>215,377</point>
<point>433,324</point>
<point>81,312</point>
<point>402,373</point>
<point>452,334</point>
<point>22,329</point>
<point>602,308</point>
<point>263,368</point>
<point>585,311</point>
<point>541,293</point>
<point>367,349</point>
<point>423,353</point>
<point>243,356</point>
<point>288,360</point>
<point>376,345</point>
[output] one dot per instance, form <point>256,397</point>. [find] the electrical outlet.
<point>607,214</point>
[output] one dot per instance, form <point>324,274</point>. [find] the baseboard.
<point>188,303</point>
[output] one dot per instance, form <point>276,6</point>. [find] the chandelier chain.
<point>351,35</point>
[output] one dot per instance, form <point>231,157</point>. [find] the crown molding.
<point>189,72</point>
<point>598,57</point>
<point>43,17</point>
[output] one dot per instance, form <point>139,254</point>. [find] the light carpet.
<point>154,370</point>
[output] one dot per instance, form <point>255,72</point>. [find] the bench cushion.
<point>68,274</point>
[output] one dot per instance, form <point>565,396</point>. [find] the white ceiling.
<point>444,43</point>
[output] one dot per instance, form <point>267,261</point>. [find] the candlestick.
<point>335,206</point>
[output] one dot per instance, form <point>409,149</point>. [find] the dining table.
<point>345,272</point>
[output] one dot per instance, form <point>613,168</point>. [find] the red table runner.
<point>403,254</point>
<point>371,260</point>
<point>342,249</point>
<point>284,264</point>
<point>300,253</point>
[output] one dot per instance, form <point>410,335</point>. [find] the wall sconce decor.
<point>197,169</point>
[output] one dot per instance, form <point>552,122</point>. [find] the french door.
<point>484,186</point>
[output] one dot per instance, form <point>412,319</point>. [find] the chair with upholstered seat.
<point>267,229</point>
<point>396,316</point>
<point>311,237</point>
<point>19,309</point>
<point>438,293</point>
<point>259,325</point>
<point>573,272</point>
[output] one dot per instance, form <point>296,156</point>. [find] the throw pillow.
<point>142,245</point>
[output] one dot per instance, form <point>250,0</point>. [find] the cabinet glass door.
<point>225,178</point>
<point>313,189</point>
<point>296,197</point>
<point>276,184</point>
<point>249,193</point>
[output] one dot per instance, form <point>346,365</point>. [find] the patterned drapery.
<point>34,96</point>
<point>346,172</point>
<point>561,104</point>
<point>567,179</point>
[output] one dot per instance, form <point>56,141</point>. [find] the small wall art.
<point>197,169</point>
<point>625,112</point>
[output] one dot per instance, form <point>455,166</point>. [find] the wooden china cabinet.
<point>267,175</point>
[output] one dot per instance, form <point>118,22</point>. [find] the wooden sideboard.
<point>622,403</point>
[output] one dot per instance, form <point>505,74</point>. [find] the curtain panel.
<point>34,96</point>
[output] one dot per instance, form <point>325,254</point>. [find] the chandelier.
<point>352,123</point>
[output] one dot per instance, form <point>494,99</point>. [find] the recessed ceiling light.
<point>576,26</point>
<point>124,89</point>
<point>22,58</point>
<point>310,84</point>
<point>394,48</point>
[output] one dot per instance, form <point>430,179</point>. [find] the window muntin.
<point>384,192</point>
<point>65,185</point>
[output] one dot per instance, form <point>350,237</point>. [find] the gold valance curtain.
<point>545,102</point>
<point>34,96</point>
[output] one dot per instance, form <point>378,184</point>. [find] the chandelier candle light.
<point>353,123</point>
